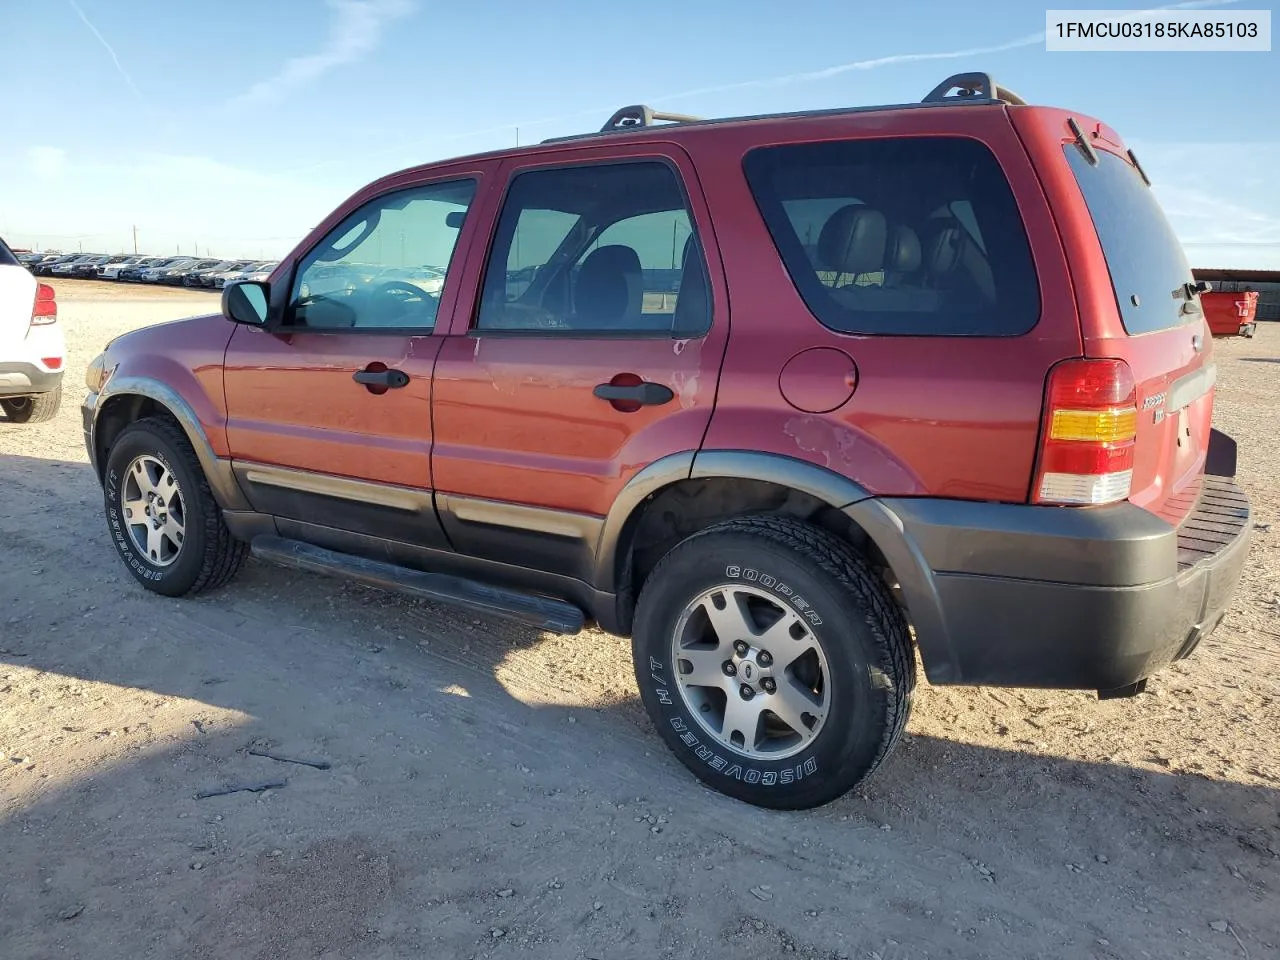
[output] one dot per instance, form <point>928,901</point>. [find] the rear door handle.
<point>381,378</point>
<point>646,393</point>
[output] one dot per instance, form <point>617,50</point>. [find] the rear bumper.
<point>26,379</point>
<point>1095,599</point>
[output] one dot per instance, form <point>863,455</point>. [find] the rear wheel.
<point>161,513</point>
<point>37,409</point>
<point>774,662</point>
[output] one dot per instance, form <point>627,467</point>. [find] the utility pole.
<point>517,136</point>
<point>135,239</point>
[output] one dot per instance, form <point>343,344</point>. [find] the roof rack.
<point>972,86</point>
<point>975,88</point>
<point>640,115</point>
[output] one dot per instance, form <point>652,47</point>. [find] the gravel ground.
<point>496,792</point>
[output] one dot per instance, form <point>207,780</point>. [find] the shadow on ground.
<point>457,820</point>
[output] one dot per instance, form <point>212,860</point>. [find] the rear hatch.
<point>17,297</point>
<point>1161,331</point>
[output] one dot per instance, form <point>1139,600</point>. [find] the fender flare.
<point>222,481</point>
<point>881,524</point>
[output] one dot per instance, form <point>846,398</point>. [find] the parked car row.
<point>173,271</point>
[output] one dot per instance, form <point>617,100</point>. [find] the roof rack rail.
<point>640,115</point>
<point>972,86</point>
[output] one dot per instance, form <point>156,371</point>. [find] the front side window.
<point>384,266</point>
<point>914,236</point>
<point>606,249</point>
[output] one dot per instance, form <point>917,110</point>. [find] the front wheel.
<point>773,661</point>
<point>161,514</point>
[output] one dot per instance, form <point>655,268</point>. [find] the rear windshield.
<point>6,255</point>
<point>914,236</point>
<point>1147,264</point>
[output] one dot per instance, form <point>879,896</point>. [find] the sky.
<point>232,128</point>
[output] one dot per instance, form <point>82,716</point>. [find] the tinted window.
<point>909,236</point>
<point>6,255</point>
<point>384,266</point>
<point>601,249</point>
<point>1146,261</point>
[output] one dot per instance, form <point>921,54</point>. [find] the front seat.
<point>609,292</point>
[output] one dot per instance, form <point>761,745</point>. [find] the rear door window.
<point>914,236</point>
<point>1147,263</point>
<point>601,249</point>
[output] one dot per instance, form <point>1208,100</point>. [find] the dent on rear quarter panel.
<point>187,356</point>
<point>820,439</point>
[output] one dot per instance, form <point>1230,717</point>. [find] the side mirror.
<point>246,302</point>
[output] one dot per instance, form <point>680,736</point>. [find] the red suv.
<point>782,398</point>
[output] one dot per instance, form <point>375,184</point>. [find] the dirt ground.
<point>494,792</point>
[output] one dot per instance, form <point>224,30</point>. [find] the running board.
<point>541,613</point>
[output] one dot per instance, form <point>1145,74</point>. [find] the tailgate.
<point>1161,331</point>
<point>17,297</point>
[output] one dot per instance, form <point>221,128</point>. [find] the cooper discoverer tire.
<point>161,513</point>
<point>774,662</point>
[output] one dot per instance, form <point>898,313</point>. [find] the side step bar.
<point>541,613</point>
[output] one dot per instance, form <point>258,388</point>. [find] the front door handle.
<point>645,393</point>
<point>381,378</point>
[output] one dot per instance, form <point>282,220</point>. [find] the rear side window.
<point>916,236</point>
<point>1147,264</point>
<point>7,258</point>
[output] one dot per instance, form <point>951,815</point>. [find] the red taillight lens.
<point>53,363</point>
<point>1089,433</point>
<point>1092,384</point>
<point>46,306</point>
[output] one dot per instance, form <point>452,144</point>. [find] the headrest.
<point>946,243</point>
<point>853,240</point>
<point>903,254</point>
<point>609,286</point>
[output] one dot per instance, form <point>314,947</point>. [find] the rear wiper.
<point>1188,291</point>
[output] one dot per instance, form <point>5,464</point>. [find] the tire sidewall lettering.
<point>715,755</point>
<point>138,566</point>
<point>788,593</point>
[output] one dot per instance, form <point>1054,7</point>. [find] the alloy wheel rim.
<point>751,671</point>
<point>153,510</point>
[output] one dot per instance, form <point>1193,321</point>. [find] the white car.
<point>32,351</point>
<point>111,269</point>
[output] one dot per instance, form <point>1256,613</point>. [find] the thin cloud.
<point>807,77</point>
<point>355,29</point>
<point>1030,40</point>
<point>102,40</point>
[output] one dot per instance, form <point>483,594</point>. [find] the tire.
<point>40,408</point>
<point>196,551</point>
<point>851,689</point>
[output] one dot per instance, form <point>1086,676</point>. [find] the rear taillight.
<point>1090,430</point>
<point>46,306</point>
